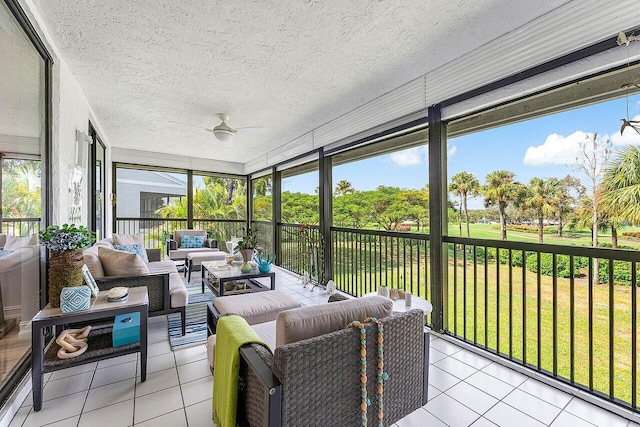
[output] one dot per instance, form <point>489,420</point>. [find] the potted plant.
<point>65,244</point>
<point>246,247</point>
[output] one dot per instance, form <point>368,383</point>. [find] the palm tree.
<point>465,185</point>
<point>344,187</point>
<point>621,185</point>
<point>500,190</point>
<point>542,196</point>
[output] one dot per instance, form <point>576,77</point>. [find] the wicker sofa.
<point>167,291</point>
<point>313,376</point>
<point>176,250</point>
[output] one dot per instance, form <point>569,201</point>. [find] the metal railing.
<point>156,230</point>
<point>296,241</point>
<point>363,260</point>
<point>537,304</point>
<point>264,235</point>
<point>17,227</point>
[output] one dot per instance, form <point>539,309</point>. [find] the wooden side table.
<point>100,341</point>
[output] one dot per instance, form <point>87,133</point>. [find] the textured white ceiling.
<point>287,65</point>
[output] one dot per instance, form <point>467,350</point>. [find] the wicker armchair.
<point>316,382</point>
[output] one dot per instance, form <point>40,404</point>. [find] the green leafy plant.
<point>66,237</point>
<point>249,241</point>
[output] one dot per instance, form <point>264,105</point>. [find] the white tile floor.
<point>465,389</point>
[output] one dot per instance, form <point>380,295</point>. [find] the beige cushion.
<point>119,263</point>
<point>127,239</point>
<point>266,331</point>
<point>95,265</point>
<point>14,243</point>
<point>256,307</point>
<point>307,322</point>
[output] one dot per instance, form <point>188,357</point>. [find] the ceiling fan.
<point>223,132</point>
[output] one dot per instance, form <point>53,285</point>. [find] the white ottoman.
<point>194,260</point>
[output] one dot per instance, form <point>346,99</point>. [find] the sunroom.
<point>410,146</point>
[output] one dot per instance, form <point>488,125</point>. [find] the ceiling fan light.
<point>223,135</point>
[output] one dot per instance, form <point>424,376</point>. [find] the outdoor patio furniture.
<point>177,250</point>
<point>193,260</point>
<point>167,291</point>
<point>313,376</point>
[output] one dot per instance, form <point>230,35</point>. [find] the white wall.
<point>71,112</point>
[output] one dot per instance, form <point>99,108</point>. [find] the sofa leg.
<point>183,316</point>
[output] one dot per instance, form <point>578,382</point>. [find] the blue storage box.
<point>126,329</point>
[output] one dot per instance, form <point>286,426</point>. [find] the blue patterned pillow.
<point>137,249</point>
<point>191,241</point>
<point>4,253</point>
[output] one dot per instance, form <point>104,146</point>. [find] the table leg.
<point>144,314</point>
<point>37,343</point>
<point>273,282</point>
<point>220,287</point>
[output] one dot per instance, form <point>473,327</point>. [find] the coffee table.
<point>215,276</point>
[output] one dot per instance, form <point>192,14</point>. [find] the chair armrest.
<point>153,254</point>
<point>172,245</point>
<point>157,287</point>
<point>211,243</point>
<point>260,391</point>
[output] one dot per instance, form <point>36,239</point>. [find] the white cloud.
<point>409,157</point>
<point>629,137</point>
<point>556,150</point>
<point>452,150</point>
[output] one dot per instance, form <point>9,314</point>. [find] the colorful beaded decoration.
<point>381,375</point>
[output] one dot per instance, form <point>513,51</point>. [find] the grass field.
<point>570,238</point>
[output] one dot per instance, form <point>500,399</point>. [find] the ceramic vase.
<point>264,264</point>
<point>65,270</point>
<point>246,256</point>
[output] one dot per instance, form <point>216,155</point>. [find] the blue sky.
<point>543,147</point>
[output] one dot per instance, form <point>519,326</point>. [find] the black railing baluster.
<point>555,313</point>
<point>634,336</point>
<point>524,307</point>
<point>455,288</point>
<point>539,310</point>
<point>464,284</point>
<point>590,297</point>
<point>510,304</point>
<point>611,334</point>
<point>486,293</point>
<point>475,293</point>
<point>572,319</point>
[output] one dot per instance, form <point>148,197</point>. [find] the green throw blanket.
<point>232,332</point>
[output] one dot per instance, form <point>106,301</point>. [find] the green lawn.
<point>570,238</point>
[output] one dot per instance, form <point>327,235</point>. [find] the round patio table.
<point>416,302</point>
